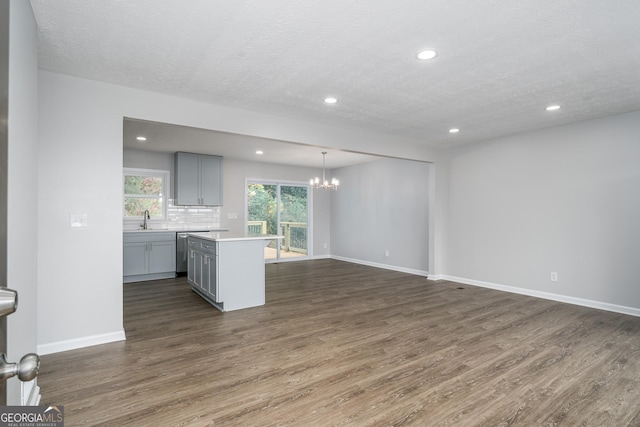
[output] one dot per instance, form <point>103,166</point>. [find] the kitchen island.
<point>227,269</point>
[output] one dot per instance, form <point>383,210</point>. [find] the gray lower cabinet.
<point>148,256</point>
<point>135,259</point>
<point>202,270</point>
<point>198,179</point>
<point>228,274</point>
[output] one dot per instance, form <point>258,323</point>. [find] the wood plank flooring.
<point>340,344</point>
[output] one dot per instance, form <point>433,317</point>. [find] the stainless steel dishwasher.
<point>181,254</point>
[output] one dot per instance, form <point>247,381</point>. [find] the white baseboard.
<point>546,295</point>
<point>75,343</point>
<point>385,266</point>
<point>30,393</point>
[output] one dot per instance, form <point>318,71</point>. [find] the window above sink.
<point>145,190</point>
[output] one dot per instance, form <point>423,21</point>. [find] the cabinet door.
<point>162,257</point>
<point>206,273</point>
<point>191,268</point>
<point>211,180</point>
<point>135,260</point>
<point>197,270</point>
<point>213,280</point>
<point>187,179</point>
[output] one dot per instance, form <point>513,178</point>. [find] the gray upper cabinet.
<point>198,180</point>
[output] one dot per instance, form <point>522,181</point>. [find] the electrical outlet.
<point>554,276</point>
<point>325,246</point>
<point>386,253</point>
<point>78,220</point>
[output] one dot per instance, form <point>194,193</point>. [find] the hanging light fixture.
<point>324,184</point>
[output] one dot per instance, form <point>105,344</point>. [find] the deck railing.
<point>295,234</point>
<point>259,227</point>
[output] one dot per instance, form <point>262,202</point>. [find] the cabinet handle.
<point>192,253</point>
<point>206,260</point>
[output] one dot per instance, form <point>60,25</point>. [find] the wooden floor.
<point>341,344</point>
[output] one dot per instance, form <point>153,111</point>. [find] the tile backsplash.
<point>183,217</point>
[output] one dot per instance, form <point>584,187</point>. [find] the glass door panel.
<point>280,209</point>
<point>262,206</point>
<point>293,221</point>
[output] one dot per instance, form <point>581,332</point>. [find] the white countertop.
<point>228,237</point>
<point>177,230</point>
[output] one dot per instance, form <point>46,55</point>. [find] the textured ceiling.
<point>499,63</point>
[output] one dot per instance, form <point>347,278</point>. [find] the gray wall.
<point>566,199</point>
<point>382,206</point>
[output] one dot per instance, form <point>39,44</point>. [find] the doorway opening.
<point>283,209</point>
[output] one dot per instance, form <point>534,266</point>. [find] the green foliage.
<point>143,185</point>
<point>293,204</point>
<point>263,202</point>
<point>136,207</point>
<point>139,186</point>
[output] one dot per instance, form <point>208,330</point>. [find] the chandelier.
<point>324,184</point>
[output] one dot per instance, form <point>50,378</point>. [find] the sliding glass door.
<point>282,209</point>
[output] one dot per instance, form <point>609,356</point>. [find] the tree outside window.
<point>144,190</point>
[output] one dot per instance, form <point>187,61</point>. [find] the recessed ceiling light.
<point>330,100</point>
<point>553,107</point>
<point>454,130</point>
<point>427,54</point>
<point>141,138</point>
<point>259,152</point>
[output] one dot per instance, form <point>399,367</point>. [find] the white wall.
<point>382,205</point>
<point>80,172</point>
<point>80,169</point>
<point>22,193</point>
<point>565,199</point>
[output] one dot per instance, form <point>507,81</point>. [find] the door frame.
<point>4,160</point>
<point>278,183</point>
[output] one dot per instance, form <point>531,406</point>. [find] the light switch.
<point>78,221</point>
<point>232,216</point>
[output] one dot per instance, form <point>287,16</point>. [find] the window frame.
<point>164,175</point>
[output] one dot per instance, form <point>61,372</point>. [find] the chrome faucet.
<point>146,216</point>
